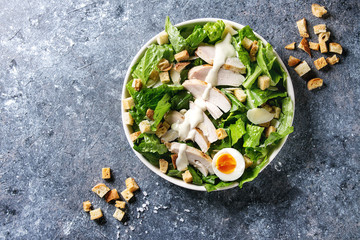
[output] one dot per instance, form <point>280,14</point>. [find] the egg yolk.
<point>226,163</point>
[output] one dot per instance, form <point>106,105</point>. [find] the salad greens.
<point>253,141</point>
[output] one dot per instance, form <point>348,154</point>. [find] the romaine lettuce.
<point>257,97</point>
<point>175,38</point>
<point>237,131</point>
<point>161,108</point>
<point>214,30</point>
<point>252,136</point>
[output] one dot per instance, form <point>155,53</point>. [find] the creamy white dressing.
<point>182,161</point>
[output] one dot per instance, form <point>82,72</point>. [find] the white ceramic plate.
<point>125,94</point>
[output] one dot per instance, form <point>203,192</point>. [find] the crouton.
<point>246,43</point>
<point>150,114</point>
<point>267,124</point>
<point>180,66</point>
<point>164,65</point>
<point>302,68</point>
<point>128,103</point>
<point>269,130</point>
<point>162,38</point>
<point>187,177</point>
<point>290,46</point>
<point>323,47</point>
<point>314,46</point>
<point>323,38</point>
<point>301,24</point>
<point>87,206</point>
<point>335,48</point>
<point>182,56</point>
<point>320,63</point>
<point>319,28</point>
<point>127,195</point>
<point>106,173</point>
<point>304,45</point>
<point>154,76</point>
<point>317,10</point>
<point>263,82</point>
<point>112,195</point>
<point>277,112</point>
<point>131,184</point>
<point>135,136</point>
<point>145,126</point>
<point>100,189</point>
<point>314,83</point>
<point>163,165</point>
<point>137,84</point>
<point>332,60</point>
<point>128,119</point>
<point>248,162</point>
<point>221,133</point>
<point>162,129</point>
<point>240,95</point>
<point>293,61</point>
<point>268,108</point>
<point>173,159</point>
<point>120,204</point>
<point>253,51</point>
<point>96,214</point>
<point>119,214</point>
<point>164,77</point>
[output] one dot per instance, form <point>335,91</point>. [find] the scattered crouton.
<point>323,47</point>
<point>119,214</point>
<point>137,84</point>
<point>323,38</point>
<point>301,24</point>
<point>127,195</point>
<point>302,68</point>
<point>248,162</point>
<point>100,189</point>
<point>293,61</point>
<point>106,174</point>
<point>182,56</point>
<point>221,133</point>
<point>269,130</point>
<point>150,114</point>
<point>253,51</point>
<point>163,164</point>
<point>162,38</point>
<point>128,119</point>
<point>135,136</point>
<point>277,112</point>
<point>263,82</point>
<point>120,204</point>
<point>267,124</point>
<point>187,177</point>
<point>335,48</point>
<point>247,43</point>
<point>317,10</point>
<point>314,83</point>
<point>320,63</point>
<point>240,95</point>
<point>164,77</point>
<point>87,206</point>
<point>131,184</point>
<point>162,129</point>
<point>96,214</point>
<point>145,126</point>
<point>128,103</point>
<point>164,65</point>
<point>173,159</point>
<point>332,60</point>
<point>180,66</point>
<point>290,46</point>
<point>314,46</point>
<point>304,45</point>
<point>112,195</point>
<point>319,28</point>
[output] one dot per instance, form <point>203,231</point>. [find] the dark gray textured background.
<point>62,66</point>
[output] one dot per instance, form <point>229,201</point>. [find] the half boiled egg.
<point>228,164</point>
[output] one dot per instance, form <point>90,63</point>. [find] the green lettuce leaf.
<point>214,30</point>
<point>256,97</point>
<point>250,79</point>
<point>236,105</point>
<point>195,38</point>
<point>181,100</point>
<point>175,38</point>
<point>211,179</point>
<point>196,178</point>
<point>242,54</point>
<point>252,136</point>
<point>151,144</point>
<point>237,131</point>
<point>251,173</point>
<point>247,32</point>
<point>211,187</point>
<point>162,107</point>
<point>175,173</point>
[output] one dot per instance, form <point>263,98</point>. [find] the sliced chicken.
<point>207,127</point>
<point>201,140</point>
<point>194,156</point>
<point>234,64</point>
<point>173,116</point>
<point>225,77</point>
<point>197,87</point>
<point>214,111</point>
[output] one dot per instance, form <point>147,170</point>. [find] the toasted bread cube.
<point>164,77</point>
<point>332,60</point>
<point>180,66</point>
<point>162,38</point>
<point>120,204</point>
<point>335,48</point>
<point>135,136</point>
<point>267,124</point>
<point>150,114</point>
<point>293,61</point>
<point>128,103</point>
<point>290,46</point>
<point>317,10</point>
<point>87,206</point>
<point>182,56</point>
<point>154,76</point>
<point>127,195</point>
<point>253,51</point>
<point>246,43</point>
<point>145,126</point>
<point>106,174</point>
<point>319,28</point>
<point>187,177</point>
<point>137,84</point>
<point>304,45</point>
<point>324,37</point>
<point>314,83</point>
<point>269,130</point>
<point>162,129</point>
<point>248,162</point>
<point>314,46</point>
<point>277,112</point>
<point>163,164</point>
<point>164,65</point>
<point>112,195</point>
<point>96,214</point>
<point>240,95</point>
<point>302,68</point>
<point>323,47</point>
<point>268,108</point>
<point>100,189</point>
<point>128,119</point>
<point>119,214</point>
<point>173,159</point>
<point>263,82</point>
<point>131,184</point>
<point>221,133</point>
<point>301,24</point>
<point>320,63</point>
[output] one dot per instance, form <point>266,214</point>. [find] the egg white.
<point>240,164</point>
